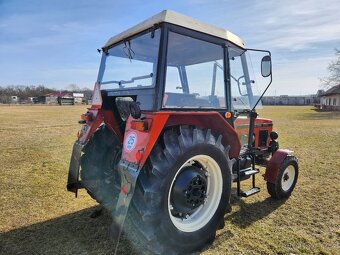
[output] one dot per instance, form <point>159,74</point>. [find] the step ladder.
<point>241,173</point>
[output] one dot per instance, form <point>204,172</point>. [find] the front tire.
<point>286,179</point>
<point>182,192</point>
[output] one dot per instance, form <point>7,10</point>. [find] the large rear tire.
<point>182,192</point>
<point>98,167</point>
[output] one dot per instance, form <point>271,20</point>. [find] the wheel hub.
<point>189,190</point>
<point>286,177</point>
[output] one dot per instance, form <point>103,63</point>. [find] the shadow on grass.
<point>74,233</point>
<point>77,233</point>
<point>250,213</point>
<point>317,114</point>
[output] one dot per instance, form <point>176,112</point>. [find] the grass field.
<point>38,215</point>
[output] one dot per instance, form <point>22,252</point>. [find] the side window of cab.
<point>195,74</point>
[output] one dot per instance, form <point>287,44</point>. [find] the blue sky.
<point>54,42</point>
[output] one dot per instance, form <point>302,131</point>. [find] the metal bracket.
<point>129,174</point>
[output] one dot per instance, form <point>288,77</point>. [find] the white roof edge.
<point>180,20</point>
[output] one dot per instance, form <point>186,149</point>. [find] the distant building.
<point>66,99</point>
<point>290,100</point>
<point>39,100</point>
<point>31,100</point>
<point>330,100</point>
<point>14,99</point>
<point>62,98</point>
<point>51,98</point>
<point>78,98</point>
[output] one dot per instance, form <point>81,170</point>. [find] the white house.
<point>78,98</point>
<point>14,99</point>
<point>331,99</point>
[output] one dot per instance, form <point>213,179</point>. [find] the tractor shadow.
<point>74,233</point>
<point>250,213</point>
<point>77,233</point>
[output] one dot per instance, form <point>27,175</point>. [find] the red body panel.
<point>209,120</point>
<point>111,123</point>
<point>97,116</point>
<point>274,164</point>
<point>242,128</point>
<point>262,124</point>
<point>91,126</point>
<point>143,141</point>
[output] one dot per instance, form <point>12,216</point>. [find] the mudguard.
<point>73,173</point>
<point>129,174</point>
<point>86,132</point>
<point>274,164</point>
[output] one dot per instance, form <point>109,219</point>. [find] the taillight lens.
<point>140,125</point>
<point>139,155</point>
<point>87,116</point>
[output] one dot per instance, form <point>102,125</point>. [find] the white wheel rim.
<point>288,177</point>
<point>205,212</point>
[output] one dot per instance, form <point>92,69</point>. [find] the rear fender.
<point>141,142</point>
<point>274,164</point>
<point>213,121</point>
<point>95,118</point>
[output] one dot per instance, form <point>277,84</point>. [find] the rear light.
<point>139,155</point>
<point>140,125</point>
<point>87,116</point>
<point>228,115</point>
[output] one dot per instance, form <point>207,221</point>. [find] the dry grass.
<point>38,215</point>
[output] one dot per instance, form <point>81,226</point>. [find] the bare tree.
<point>333,68</point>
<point>73,87</point>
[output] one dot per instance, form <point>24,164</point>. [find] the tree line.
<point>25,92</point>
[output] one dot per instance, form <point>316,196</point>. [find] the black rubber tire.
<point>98,172</point>
<point>275,189</point>
<point>148,214</point>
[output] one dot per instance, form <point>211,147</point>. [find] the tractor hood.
<point>263,122</point>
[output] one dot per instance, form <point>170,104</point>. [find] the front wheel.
<point>286,179</point>
<point>183,192</point>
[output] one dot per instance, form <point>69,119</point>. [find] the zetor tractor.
<point>172,126</point>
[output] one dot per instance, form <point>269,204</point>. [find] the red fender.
<point>141,142</point>
<point>213,121</point>
<point>274,164</point>
<point>95,119</point>
<point>138,144</point>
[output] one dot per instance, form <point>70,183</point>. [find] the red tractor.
<point>172,125</point>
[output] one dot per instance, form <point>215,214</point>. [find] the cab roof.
<point>176,18</point>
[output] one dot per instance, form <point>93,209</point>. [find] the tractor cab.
<point>173,64</point>
<point>173,124</point>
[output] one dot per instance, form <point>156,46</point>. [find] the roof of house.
<point>59,94</point>
<point>176,18</point>
<point>332,91</point>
